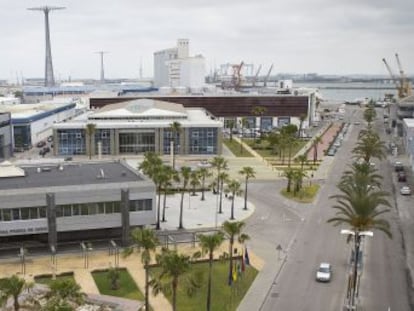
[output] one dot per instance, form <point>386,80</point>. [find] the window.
<point>16,213</point>
<point>117,207</point>
<point>59,211</point>
<point>84,209</point>
<point>33,212</point>
<point>25,213</point>
<point>67,210</point>
<point>92,208</point>
<point>76,210</point>
<point>101,208</point>
<point>42,212</point>
<point>140,205</point>
<point>7,215</point>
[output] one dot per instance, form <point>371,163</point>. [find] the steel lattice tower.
<point>49,78</point>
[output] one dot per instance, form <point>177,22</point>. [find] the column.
<point>51,219</point>
<point>125,216</point>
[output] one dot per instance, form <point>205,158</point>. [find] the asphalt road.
<point>307,240</point>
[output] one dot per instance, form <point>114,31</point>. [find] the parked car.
<point>331,152</point>
<point>402,177</point>
<point>50,139</point>
<point>324,272</point>
<point>398,166</point>
<point>41,144</point>
<point>46,149</point>
<point>405,190</point>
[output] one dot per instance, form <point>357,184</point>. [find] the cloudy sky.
<point>297,36</point>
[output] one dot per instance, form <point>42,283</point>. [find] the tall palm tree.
<point>204,172</point>
<point>363,176</point>
<point>293,143</point>
<point>147,240</point>
<point>161,177</point>
<point>176,129</point>
<point>220,164</point>
<point>151,164</point>
<point>234,229</point>
<point>370,113</point>
<point>12,287</point>
<point>90,131</point>
<point>370,146</point>
<point>318,140</point>
<point>298,176</point>
<point>173,267</point>
<point>248,172</point>
<point>301,159</point>
<point>210,243</point>
<point>289,173</point>
<point>231,124</point>
<point>234,189</point>
<point>194,181</point>
<point>66,290</point>
<point>185,173</point>
<point>223,177</point>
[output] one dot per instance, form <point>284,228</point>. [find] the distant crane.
<point>267,76</point>
<point>237,78</point>
<point>101,53</point>
<point>256,75</point>
<point>403,84</point>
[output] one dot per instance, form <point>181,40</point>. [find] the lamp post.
<point>357,235</point>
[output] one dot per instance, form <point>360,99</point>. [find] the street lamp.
<point>357,234</point>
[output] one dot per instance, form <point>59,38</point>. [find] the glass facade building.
<point>71,142</point>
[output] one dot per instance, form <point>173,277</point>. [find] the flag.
<point>234,273</point>
<point>246,257</point>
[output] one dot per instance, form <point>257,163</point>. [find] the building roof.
<point>70,174</point>
<point>409,122</point>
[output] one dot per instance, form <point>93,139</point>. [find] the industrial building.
<point>174,67</point>
<point>278,109</point>
<point>6,136</point>
<point>32,123</point>
<point>61,202</point>
<point>139,126</point>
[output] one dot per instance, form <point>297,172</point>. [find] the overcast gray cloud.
<point>298,36</point>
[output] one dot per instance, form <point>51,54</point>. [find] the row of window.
<point>68,210</point>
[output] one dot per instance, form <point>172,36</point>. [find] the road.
<point>307,239</point>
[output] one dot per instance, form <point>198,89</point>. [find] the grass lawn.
<point>265,151</point>
<point>224,297</point>
<point>234,147</point>
<point>47,279</point>
<point>127,287</point>
<point>305,195</point>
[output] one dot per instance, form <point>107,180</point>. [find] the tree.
<point>302,119</point>
<point>210,243</point>
<point>151,164</point>
<point>301,159</point>
<point>113,276</point>
<point>175,128</point>
<point>222,178</point>
<point>370,113</point>
<point>171,175</point>
<point>90,131</point>
<point>316,142</point>
<point>12,287</point>
<point>234,229</point>
<point>234,189</point>
<point>231,124</point>
<point>220,164</point>
<point>66,290</point>
<point>185,172</point>
<point>194,181</point>
<point>370,146</point>
<point>204,172</point>
<point>248,172</point>
<point>289,173</point>
<point>243,124</point>
<point>146,240</point>
<point>174,266</point>
<point>298,176</point>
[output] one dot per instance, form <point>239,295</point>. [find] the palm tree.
<point>210,243</point>
<point>234,229</point>
<point>194,181</point>
<point>175,128</point>
<point>370,146</point>
<point>234,189</point>
<point>289,173</point>
<point>298,176</point>
<point>222,178</point>
<point>113,276</point>
<point>259,111</point>
<point>220,164</point>
<point>67,290</point>
<point>90,131</point>
<point>316,142</point>
<point>146,240</point>
<point>293,143</point>
<point>301,159</point>
<point>362,175</point>
<point>151,164</point>
<point>302,119</point>
<point>12,287</point>
<point>370,113</point>
<point>185,172</point>
<point>204,172</point>
<point>248,172</point>
<point>243,124</point>
<point>173,268</point>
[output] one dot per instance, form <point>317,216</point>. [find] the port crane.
<point>237,78</point>
<point>256,75</point>
<point>403,84</point>
<point>267,76</point>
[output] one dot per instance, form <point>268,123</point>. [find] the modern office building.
<point>278,109</point>
<point>60,202</point>
<point>32,123</point>
<point>6,136</point>
<point>175,68</point>
<point>139,126</point>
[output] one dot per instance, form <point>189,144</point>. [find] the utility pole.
<point>49,78</point>
<point>102,65</point>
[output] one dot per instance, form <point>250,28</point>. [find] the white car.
<point>405,190</point>
<point>324,272</point>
